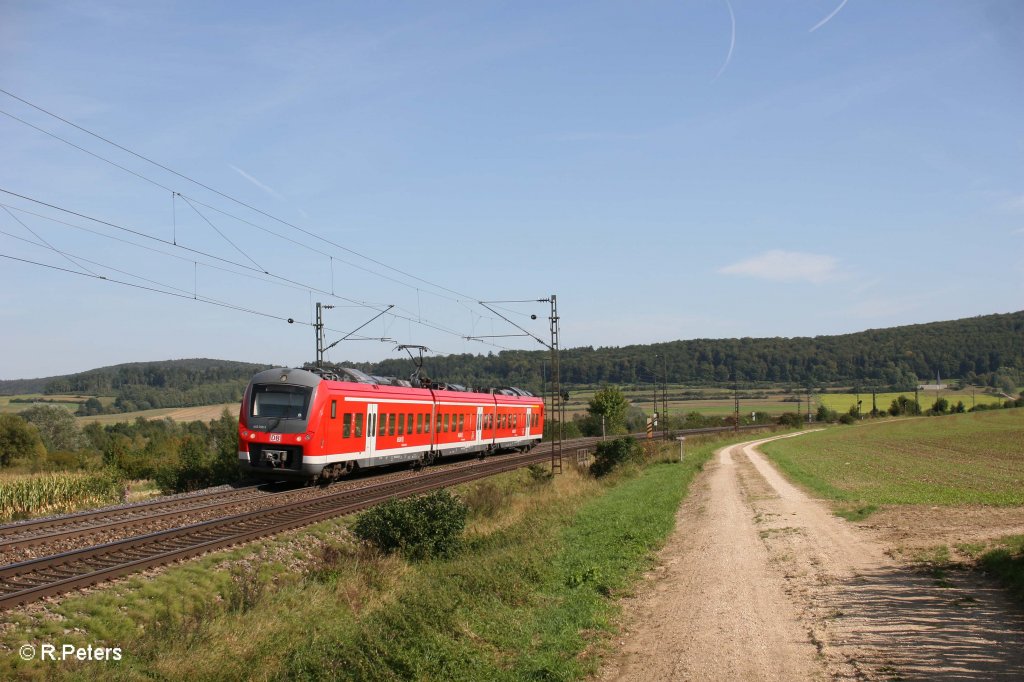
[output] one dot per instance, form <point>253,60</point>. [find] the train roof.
<point>349,375</point>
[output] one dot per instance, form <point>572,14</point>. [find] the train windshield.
<point>284,402</point>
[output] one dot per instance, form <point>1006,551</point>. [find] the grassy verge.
<point>963,459</point>
<point>531,595</point>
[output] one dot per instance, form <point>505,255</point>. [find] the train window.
<point>408,421</point>
<point>382,425</point>
<point>437,428</point>
<point>359,426</point>
<point>346,425</point>
<point>391,424</point>
<point>446,418</point>
<point>462,422</point>
<point>334,409</point>
<point>401,424</point>
<point>426,423</point>
<point>419,423</point>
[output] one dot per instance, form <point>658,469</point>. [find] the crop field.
<point>842,402</point>
<point>23,496</point>
<point>68,402</point>
<point>961,459</point>
<point>204,413</point>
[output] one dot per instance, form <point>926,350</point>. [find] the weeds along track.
<point>267,513</point>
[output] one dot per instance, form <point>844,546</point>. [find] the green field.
<point>718,401</point>
<point>962,459</point>
<point>68,402</point>
<point>842,402</point>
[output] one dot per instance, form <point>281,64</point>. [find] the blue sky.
<point>671,170</point>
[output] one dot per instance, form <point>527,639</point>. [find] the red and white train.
<point>298,424</point>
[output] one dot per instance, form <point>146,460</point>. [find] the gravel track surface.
<point>761,582</point>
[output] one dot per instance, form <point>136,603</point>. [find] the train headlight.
<point>308,436</point>
<point>245,433</point>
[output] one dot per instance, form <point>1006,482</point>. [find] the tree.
<point>612,405</point>
<point>19,440</point>
<point>57,427</point>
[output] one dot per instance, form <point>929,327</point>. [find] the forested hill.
<point>147,385</point>
<point>987,349</point>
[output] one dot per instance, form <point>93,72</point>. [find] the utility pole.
<point>735,400</point>
<point>556,389</point>
<point>319,327</point>
<point>664,396</point>
<point>558,397</point>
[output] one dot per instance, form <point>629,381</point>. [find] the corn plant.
<point>36,495</point>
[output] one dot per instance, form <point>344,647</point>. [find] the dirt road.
<point>761,582</point>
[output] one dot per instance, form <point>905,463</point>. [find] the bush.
<point>419,528</point>
<point>826,415</point>
<point>847,419</point>
<point>794,419</point>
<point>610,454</point>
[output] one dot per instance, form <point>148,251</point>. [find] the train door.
<point>371,429</point>
<point>479,424</point>
<point>529,411</point>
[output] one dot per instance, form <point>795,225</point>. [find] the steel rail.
<point>13,529</point>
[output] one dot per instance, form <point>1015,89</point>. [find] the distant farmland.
<point>204,413</point>
<point>842,402</point>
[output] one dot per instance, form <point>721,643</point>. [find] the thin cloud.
<point>786,266</point>
<point>269,190</point>
<point>829,17</point>
<point>1014,204</point>
<point>732,41</point>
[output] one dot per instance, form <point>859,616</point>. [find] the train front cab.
<point>277,425</point>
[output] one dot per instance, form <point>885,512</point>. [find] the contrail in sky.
<point>269,190</point>
<point>829,17</point>
<point>732,40</point>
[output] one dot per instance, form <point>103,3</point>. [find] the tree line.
<point>177,455</point>
<point>986,350</point>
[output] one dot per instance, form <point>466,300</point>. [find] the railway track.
<point>34,579</point>
<point>48,576</point>
<point>13,534</point>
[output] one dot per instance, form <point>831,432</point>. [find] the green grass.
<point>1006,562</point>
<point>963,459</point>
<point>531,596</point>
